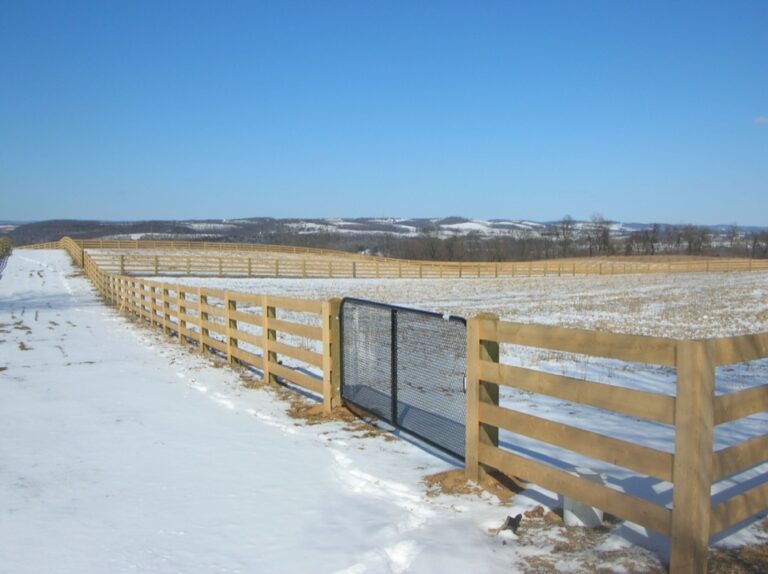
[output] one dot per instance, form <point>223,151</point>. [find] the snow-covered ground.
<point>121,452</point>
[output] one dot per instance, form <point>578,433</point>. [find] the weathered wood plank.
<point>307,331</point>
<point>250,338</point>
<point>634,348</point>
<point>247,358</point>
<point>741,349</point>
<point>216,344</point>
<point>641,404</point>
<point>300,305</point>
<point>245,317</point>
<point>614,451</point>
<point>296,377</point>
<point>304,355</point>
<point>738,405</point>
<point>739,457</point>
<point>739,508</point>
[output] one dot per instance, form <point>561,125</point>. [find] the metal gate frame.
<point>394,310</point>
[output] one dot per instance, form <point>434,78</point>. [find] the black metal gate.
<point>407,367</point>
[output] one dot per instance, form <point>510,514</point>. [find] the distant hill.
<point>417,237</point>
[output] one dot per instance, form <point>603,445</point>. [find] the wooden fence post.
<point>479,391</point>
<point>153,304</point>
<point>157,264</point>
<point>122,265</point>
<point>166,310</point>
<point>331,354</point>
<point>230,305</point>
<point>181,310</point>
<point>267,335</point>
<point>692,471</point>
<point>202,317</point>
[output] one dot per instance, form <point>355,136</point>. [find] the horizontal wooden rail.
<point>245,337</point>
<point>306,331</point>
<point>631,348</point>
<point>741,349</point>
<point>631,402</point>
<point>248,358</point>
<point>303,355</point>
<point>297,377</point>
<point>299,305</point>
<point>611,450</point>
<point>739,457</point>
<point>739,508</point>
<point>740,404</point>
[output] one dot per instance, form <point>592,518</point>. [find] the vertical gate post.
<point>692,470</point>
<point>393,363</point>
<point>479,392</point>
<point>331,354</point>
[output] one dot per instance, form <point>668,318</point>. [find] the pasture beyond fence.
<point>253,260</point>
<point>298,341</point>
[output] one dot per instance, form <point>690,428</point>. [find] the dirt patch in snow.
<point>752,559</point>
<point>748,559</point>
<point>313,413</point>
<point>578,548</point>
<point>455,482</point>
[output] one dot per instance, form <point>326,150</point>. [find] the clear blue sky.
<point>640,111</point>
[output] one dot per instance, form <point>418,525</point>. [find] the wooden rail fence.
<point>246,260</point>
<point>292,339</point>
<point>264,332</point>
<point>693,413</point>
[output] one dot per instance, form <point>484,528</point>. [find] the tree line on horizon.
<point>563,239</point>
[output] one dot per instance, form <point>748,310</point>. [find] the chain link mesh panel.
<point>407,367</point>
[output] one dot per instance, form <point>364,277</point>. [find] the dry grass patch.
<point>455,482</point>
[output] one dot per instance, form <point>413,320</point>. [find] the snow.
<point>124,452</point>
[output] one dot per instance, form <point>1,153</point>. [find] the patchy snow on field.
<point>694,305</point>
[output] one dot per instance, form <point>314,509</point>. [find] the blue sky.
<point>640,111</point>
